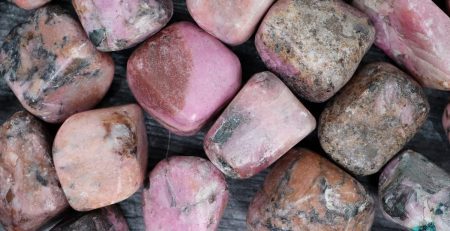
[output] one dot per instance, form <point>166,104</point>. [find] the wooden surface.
<point>430,141</point>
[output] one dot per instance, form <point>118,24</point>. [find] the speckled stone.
<point>260,125</point>
<point>304,191</point>
<point>414,33</point>
<point>314,46</point>
<point>100,156</point>
<point>372,118</point>
<point>51,66</point>
<point>415,193</point>
<point>184,193</point>
<point>30,194</point>
<point>446,121</point>
<point>114,25</point>
<point>233,22</point>
<point>29,4</point>
<point>182,76</point>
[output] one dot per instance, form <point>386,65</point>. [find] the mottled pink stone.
<point>446,121</point>
<point>184,193</point>
<point>29,4</point>
<point>101,156</point>
<point>116,24</point>
<point>260,125</point>
<point>233,22</point>
<point>182,76</point>
<point>415,34</point>
<point>30,194</point>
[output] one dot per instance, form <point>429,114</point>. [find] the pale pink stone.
<point>184,194</point>
<point>260,125</point>
<point>446,121</point>
<point>182,76</point>
<point>29,4</point>
<point>415,33</point>
<point>101,156</point>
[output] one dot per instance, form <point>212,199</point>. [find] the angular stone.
<point>29,4</point>
<point>261,124</point>
<point>315,46</point>
<point>446,121</point>
<point>415,193</point>
<point>30,194</point>
<point>51,66</point>
<point>182,76</point>
<point>415,34</point>
<point>372,118</point>
<point>304,191</point>
<point>101,156</point>
<point>233,22</point>
<point>184,193</point>
<point>114,25</point>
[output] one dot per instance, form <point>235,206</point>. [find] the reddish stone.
<point>446,121</point>
<point>29,4</point>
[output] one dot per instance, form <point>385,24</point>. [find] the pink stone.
<point>260,125</point>
<point>446,121</point>
<point>30,194</point>
<point>29,4</point>
<point>415,34</point>
<point>100,156</point>
<point>105,219</point>
<point>116,24</point>
<point>182,76</point>
<point>52,67</point>
<point>184,193</point>
<point>233,22</point>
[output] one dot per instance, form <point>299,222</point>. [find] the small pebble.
<point>29,4</point>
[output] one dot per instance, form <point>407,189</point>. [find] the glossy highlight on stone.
<point>182,76</point>
<point>114,25</point>
<point>30,194</point>
<point>372,118</point>
<point>184,193</point>
<point>415,193</point>
<point>446,121</point>
<point>100,156</point>
<point>304,191</point>
<point>29,4</point>
<point>260,125</point>
<point>314,46</point>
<point>233,22</point>
<point>52,67</point>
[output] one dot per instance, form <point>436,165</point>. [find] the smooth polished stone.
<point>52,67</point>
<point>182,76</point>
<point>30,194</point>
<point>100,156</point>
<point>233,22</point>
<point>184,193</point>
<point>29,4</point>
<point>260,125</point>
<point>446,121</point>
<point>304,191</point>
<point>414,33</point>
<point>314,46</point>
<point>372,118</point>
<point>415,193</point>
<point>114,25</point>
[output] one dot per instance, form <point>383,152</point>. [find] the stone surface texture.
<point>446,121</point>
<point>29,4</point>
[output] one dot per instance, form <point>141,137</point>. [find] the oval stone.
<point>29,4</point>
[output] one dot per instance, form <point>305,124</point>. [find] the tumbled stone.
<point>29,4</point>
<point>30,194</point>
<point>446,121</point>
<point>372,118</point>
<point>184,193</point>
<point>101,156</point>
<point>52,68</point>
<point>116,24</point>
<point>415,193</point>
<point>304,191</point>
<point>182,76</point>
<point>415,34</point>
<point>315,46</point>
<point>261,124</point>
<point>233,22</point>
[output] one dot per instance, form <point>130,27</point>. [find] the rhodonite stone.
<point>30,194</point>
<point>261,124</point>
<point>100,156</point>
<point>184,193</point>
<point>415,34</point>
<point>182,76</point>
<point>29,4</point>
<point>315,46</point>
<point>446,121</point>
<point>51,66</point>
<point>415,193</point>
<point>233,22</point>
<point>304,191</point>
<point>116,24</point>
<point>372,118</point>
